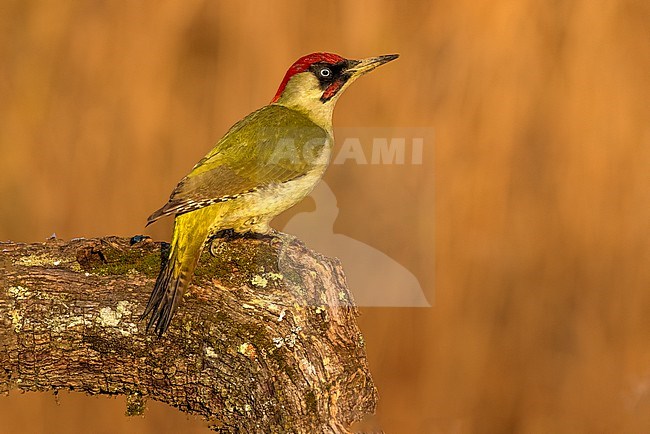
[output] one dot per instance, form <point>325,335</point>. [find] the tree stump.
<point>265,339</point>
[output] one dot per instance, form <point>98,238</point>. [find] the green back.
<point>272,145</point>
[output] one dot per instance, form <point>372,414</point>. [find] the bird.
<point>266,163</point>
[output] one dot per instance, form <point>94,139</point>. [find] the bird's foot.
<point>272,237</point>
<point>217,240</point>
<point>225,234</point>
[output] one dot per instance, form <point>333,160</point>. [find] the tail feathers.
<point>165,297</point>
<point>190,232</point>
<point>156,215</point>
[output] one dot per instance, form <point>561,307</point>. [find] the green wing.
<point>270,146</point>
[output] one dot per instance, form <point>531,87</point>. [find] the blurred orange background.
<point>536,244</point>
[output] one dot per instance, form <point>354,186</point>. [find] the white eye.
<point>325,72</point>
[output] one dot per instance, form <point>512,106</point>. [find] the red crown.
<point>303,64</point>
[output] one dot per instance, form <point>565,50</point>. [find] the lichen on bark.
<point>265,340</point>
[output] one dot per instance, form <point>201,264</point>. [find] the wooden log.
<point>265,340</point>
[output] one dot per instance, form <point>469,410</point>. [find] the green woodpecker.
<point>266,163</point>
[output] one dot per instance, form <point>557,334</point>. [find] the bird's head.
<point>314,82</point>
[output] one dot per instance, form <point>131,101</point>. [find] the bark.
<point>265,340</point>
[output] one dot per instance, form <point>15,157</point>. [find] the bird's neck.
<point>302,94</point>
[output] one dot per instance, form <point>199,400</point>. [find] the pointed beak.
<point>360,67</point>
